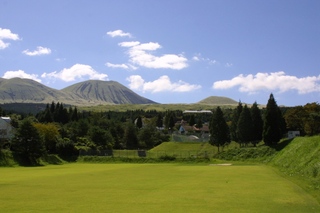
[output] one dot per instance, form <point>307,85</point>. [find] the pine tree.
<point>257,124</point>
<point>139,122</point>
<point>159,122</point>
<point>219,130</point>
<point>234,123</point>
<point>130,137</point>
<point>244,127</point>
<point>272,131</point>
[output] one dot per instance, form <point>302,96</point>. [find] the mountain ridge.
<point>86,93</point>
<point>18,90</point>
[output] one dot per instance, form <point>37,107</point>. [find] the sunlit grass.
<point>150,188</point>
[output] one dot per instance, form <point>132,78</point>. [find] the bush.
<point>167,158</point>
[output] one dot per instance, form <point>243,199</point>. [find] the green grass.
<point>150,188</point>
<point>300,160</point>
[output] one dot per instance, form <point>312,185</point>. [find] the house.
<point>6,130</point>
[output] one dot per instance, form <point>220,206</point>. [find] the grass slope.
<point>300,159</point>
<point>150,188</point>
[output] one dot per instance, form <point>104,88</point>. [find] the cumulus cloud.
<point>121,66</point>
<point>39,51</point>
<point>6,34</point>
<point>160,85</point>
<point>118,33</point>
<point>77,71</point>
<point>20,74</point>
<point>277,81</point>
<point>140,54</point>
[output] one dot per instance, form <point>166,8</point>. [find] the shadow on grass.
<point>283,144</point>
<point>26,161</point>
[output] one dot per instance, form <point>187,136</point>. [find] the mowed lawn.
<point>150,188</point>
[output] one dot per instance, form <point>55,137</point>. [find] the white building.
<point>6,130</point>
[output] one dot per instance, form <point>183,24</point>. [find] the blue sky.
<point>178,51</point>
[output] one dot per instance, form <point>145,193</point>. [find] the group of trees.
<point>64,131</point>
<point>58,130</point>
<point>248,126</point>
<point>305,119</point>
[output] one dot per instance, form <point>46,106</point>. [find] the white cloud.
<point>6,34</point>
<point>139,54</point>
<point>20,74</point>
<point>121,66</point>
<point>160,85</point>
<point>39,51</point>
<point>77,71</point>
<point>229,64</point>
<point>118,33</point>
<point>277,81</point>
<point>198,57</point>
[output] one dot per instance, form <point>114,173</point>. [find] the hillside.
<point>103,92</point>
<point>218,100</point>
<point>17,90</point>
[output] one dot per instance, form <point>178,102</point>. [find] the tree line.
<point>64,130</point>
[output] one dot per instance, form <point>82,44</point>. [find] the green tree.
<point>199,123</point>
<point>272,130</point>
<point>219,130</point>
<point>312,119</point>
<point>149,136</point>
<point>234,123</point>
<point>244,127</point>
<point>28,143</point>
<point>102,138</point>
<point>66,148</point>
<point>139,122</point>
<point>50,134</point>
<point>130,138</point>
<point>159,120</point>
<point>192,120</point>
<point>257,123</point>
<point>295,118</point>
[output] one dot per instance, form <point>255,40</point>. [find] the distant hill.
<point>93,92</point>
<point>218,100</point>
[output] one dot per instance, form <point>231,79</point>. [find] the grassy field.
<point>150,188</point>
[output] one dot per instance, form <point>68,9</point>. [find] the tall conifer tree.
<point>244,127</point>
<point>257,124</point>
<point>234,123</point>
<point>272,131</point>
<point>219,130</point>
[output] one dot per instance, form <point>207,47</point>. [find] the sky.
<point>169,51</point>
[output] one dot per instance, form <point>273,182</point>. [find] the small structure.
<point>6,130</point>
<point>292,134</point>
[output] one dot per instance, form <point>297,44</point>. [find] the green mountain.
<point>99,92</point>
<point>218,100</point>
<point>92,92</point>
<point>17,90</point>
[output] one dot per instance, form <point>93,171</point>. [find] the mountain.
<point>98,92</point>
<point>92,92</point>
<point>218,100</point>
<point>17,90</point>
